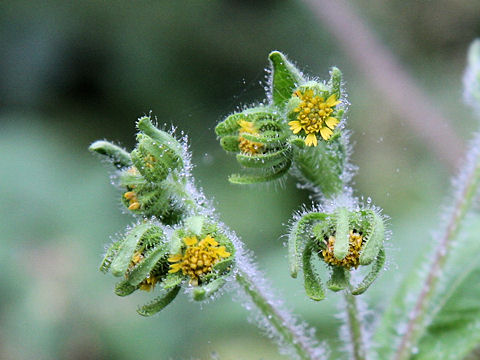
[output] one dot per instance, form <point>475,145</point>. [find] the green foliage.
<point>285,78</point>
<point>159,303</point>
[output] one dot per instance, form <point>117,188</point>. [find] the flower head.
<point>247,146</point>
<point>314,116</point>
<point>353,256</point>
<point>198,258</point>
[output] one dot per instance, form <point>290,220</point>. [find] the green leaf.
<point>270,139</point>
<point>172,280</point>
<point>454,330</point>
<point>203,292</point>
<point>296,235</point>
<point>109,256</point>
<point>119,157</point>
<point>140,272</point>
<point>145,125</point>
<point>159,303</point>
<point>127,249</point>
<point>124,288</point>
<point>342,234</point>
<point>452,305</point>
<point>274,174</point>
<point>230,143</point>
<point>322,165</point>
<point>335,82</point>
<point>230,125</point>
<point>339,279</point>
<point>264,160</point>
<point>375,239</point>
<point>372,275</point>
<point>285,78</point>
<point>313,284</point>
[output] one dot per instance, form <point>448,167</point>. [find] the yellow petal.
<point>174,268</point>
<point>175,258</point>
<point>295,126</point>
<point>332,101</point>
<point>189,241</point>
<point>331,122</point>
<point>311,140</point>
<point>209,240</point>
<point>326,133</point>
<point>221,251</point>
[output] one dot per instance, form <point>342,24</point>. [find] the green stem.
<point>354,327</point>
<point>463,203</point>
<point>288,333</point>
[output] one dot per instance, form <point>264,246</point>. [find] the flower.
<point>314,116</point>
<point>353,257</point>
<point>198,258</point>
<point>248,146</point>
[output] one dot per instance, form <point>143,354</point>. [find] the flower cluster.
<point>344,240</point>
<point>297,129</point>
<point>175,243</point>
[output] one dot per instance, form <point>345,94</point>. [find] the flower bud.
<point>344,240</point>
<point>259,139</point>
<point>157,153</point>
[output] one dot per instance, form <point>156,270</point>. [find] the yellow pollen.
<point>352,258</point>
<point>198,258</point>
<point>314,116</point>
<point>133,203</point>
<point>247,146</point>
<point>149,161</point>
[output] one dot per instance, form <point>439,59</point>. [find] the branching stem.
<point>463,202</point>
<point>289,334</point>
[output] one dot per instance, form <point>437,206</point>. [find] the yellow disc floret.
<point>247,146</point>
<point>198,258</point>
<point>314,116</point>
<point>352,258</point>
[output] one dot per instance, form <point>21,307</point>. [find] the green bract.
<point>259,139</point>
<point>344,240</point>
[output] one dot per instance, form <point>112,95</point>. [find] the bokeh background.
<point>74,72</point>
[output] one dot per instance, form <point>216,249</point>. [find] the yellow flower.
<point>314,116</point>
<point>198,258</point>
<point>352,258</point>
<point>247,146</point>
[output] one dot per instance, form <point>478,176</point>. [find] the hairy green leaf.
<point>285,78</point>
<point>159,303</point>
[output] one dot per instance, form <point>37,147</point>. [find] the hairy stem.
<point>468,183</point>
<point>289,334</point>
<point>354,327</point>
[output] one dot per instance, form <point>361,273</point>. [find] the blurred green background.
<point>75,72</point>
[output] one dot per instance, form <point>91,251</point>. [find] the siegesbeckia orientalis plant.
<point>178,242</point>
